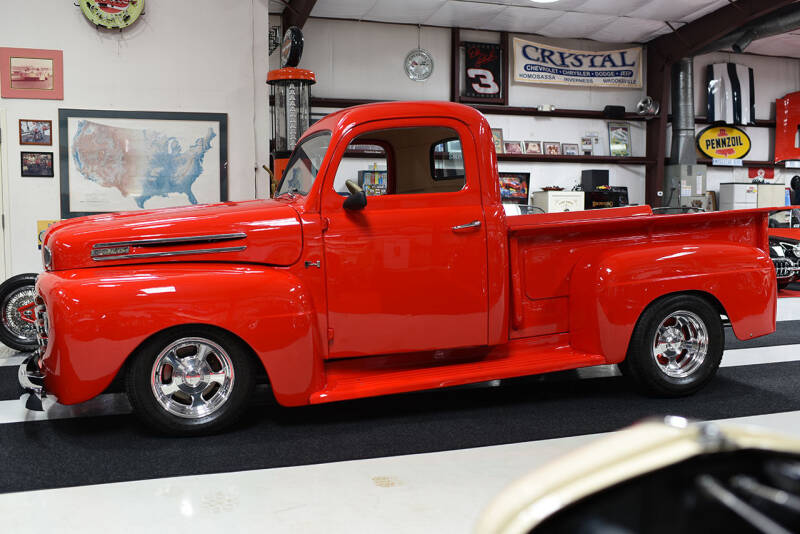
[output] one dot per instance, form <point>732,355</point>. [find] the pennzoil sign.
<point>723,142</point>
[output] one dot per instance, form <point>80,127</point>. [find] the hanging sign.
<point>540,63</point>
<point>723,142</point>
<point>482,70</point>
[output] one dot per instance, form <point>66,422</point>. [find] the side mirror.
<point>357,200</point>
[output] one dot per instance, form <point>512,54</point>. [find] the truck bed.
<point>546,249</point>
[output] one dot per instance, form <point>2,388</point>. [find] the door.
<point>408,272</point>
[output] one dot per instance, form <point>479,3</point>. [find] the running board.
<point>385,375</point>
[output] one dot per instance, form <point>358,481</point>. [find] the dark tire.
<point>190,380</point>
<point>17,329</point>
<point>676,347</point>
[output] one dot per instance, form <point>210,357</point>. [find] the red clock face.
<point>114,6</point>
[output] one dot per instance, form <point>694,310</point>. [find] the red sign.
<point>787,115</point>
<point>761,172</point>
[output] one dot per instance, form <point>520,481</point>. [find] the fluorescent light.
<point>544,1</point>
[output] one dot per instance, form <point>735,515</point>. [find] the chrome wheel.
<point>192,377</point>
<point>680,344</point>
<point>18,317</point>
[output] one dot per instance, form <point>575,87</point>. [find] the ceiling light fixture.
<point>544,1</point>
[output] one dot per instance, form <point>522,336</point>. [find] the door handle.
<point>468,226</point>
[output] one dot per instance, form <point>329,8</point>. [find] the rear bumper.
<point>31,380</point>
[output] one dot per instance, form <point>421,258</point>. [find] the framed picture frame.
<point>533,147</point>
<point>133,160</point>
<point>36,164</point>
<point>512,147</point>
<point>35,132</point>
<point>570,149</point>
<point>587,145</point>
<point>497,137</point>
<point>552,148</point>
<point>31,73</point>
<point>514,187</point>
<point>619,139</point>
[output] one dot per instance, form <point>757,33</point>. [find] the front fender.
<point>98,317</point>
<point>609,291</point>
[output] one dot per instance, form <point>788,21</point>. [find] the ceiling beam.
<point>696,35</point>
<point>296,13</point>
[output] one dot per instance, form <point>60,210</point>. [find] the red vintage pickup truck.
<point>384,264</point>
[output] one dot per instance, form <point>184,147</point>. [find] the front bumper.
<point>31,380</point>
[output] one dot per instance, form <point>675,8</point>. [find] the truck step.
<point>384,375</point>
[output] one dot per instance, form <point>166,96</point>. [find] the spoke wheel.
<point>192,377</point>
<point>680,344</point>
<point>17,320</point>
<point>190,380</point>
<point>676,346</point>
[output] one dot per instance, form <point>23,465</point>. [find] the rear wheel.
<point>18,325</point>
<point>676,347</point>
<point>190,380</point>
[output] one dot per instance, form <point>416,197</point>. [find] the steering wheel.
<point>353,187</point>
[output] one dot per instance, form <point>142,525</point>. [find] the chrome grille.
<point>42,324</point>
<point>784,267</point>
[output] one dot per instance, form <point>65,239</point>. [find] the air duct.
<point>683,151</point>
<point>781,21</point>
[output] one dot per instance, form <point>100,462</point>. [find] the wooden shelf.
<point>543,158</point>
<point>745,163</point>
<point>760,123</point>
<point>487,109</point>
<point>490,109</point>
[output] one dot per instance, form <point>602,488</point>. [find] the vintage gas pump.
<point>290,111</point>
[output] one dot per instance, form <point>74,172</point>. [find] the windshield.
<point>303,166</point>
<point>785,219</point>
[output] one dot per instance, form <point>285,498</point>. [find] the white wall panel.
<point>182,55</point>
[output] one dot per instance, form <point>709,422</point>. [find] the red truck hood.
<point>255,231</point>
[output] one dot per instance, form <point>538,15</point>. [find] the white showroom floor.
<point>429,492</point>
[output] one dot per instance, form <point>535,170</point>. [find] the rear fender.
<point>98,317</point>
<point>609,292</point>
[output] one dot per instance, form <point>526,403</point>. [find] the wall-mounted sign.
<point>723,142</point>
<point>112,14</point>
<point>731,94</point>
<point>540,63</point>
<point>787,115</point>
<point>482,70</point>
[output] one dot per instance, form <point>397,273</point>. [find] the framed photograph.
<point>570,149</point>
<point>134,160</point>
<point>31,73</point>
<point>619,139</point>
<point>36,164</point>
<point>512,147</point>
<point>514,187</point>
<point>33,132</point>
<point>552,148</point>
<point>497,137</point>
<point>533,147</point>
<point>587,145</point>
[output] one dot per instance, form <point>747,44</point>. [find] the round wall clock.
<point>112,14</point>
<point>419,65</point>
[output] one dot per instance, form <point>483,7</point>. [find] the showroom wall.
<point>180,56</point>
<point>774,78</point>
<point>365,60</point>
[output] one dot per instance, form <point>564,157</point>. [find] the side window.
<point>447,161</point>
<point>366,164</point>
<point>403,161</point>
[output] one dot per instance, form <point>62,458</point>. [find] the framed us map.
<point>135,160</point>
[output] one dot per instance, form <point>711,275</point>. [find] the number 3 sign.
<point>482,62</point>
